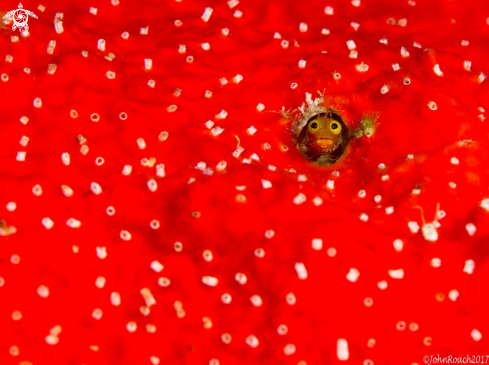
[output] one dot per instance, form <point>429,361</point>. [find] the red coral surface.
<point>328,253</point>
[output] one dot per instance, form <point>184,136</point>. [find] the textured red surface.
<point>328,306</point>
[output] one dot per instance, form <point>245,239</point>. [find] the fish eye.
<point>335,127</point>
<point>314,125</point>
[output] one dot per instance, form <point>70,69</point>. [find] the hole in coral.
<point>95,117</point>
<point>123,116</point>
<point>407,81</point>
<point>324,138</point>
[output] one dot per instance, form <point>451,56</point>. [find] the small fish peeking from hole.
<point>321,133</point>
<point>324,138</point>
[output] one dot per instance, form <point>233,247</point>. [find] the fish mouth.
<point>324,143</point>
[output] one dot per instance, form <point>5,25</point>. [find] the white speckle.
<point>353,275</point>
<point>355,3</point>
<point>255,157</point>
<point>317,201</point>
<point>65,158</point>
<point>398,245</point>
<point>331,252</point>
<point>452,185</point>
<point>164,282</point>
<point>252,341</point>
<point>37,103</point>
<point>160,170</point>
<point>127,170</point>
<point>417,45</point>
<point>93,10</point>
<point>225,31</point>
<point>52,339</point>
<point>260,107</point>
<point>453,295</point>
<point>469,266</point>
<point>47,223</point>
<point>396,67</point>
<point>362,193</point>
<point>330,184</point>
<point>302,178</point>
<point>302,63</point>
<point>152,185</point>
<point>154,360</point>
<point>256,300</point>
<point>293,85</point>
<point>328,10</point>
<point>266,184</point>
<point>95,188</point>
<point>232,3</point>
<point>384,177</point>
<point>151,83</point>
<point>210,281</point>
<point>241,278</point>
<point>148,297</point>
<point>301,271</point>
<point>156,266</point>
<point>364,217</point>
<point>299,199</point>
<point>353,54</point>
<point>125,35</point>
<point>221,166</point>
<point>435,262</point>
<point>384,41</point>
<point>385,89</point>
<point>238,14</point>
<point>277,35</point>
<point>73,223</point>
<point>260,253</point>
<point>354,25</point>
<point>290,299</point>
<point>216,131</point>
<point>125,235</point>
<point>432,105</point>
<point>148,63</point>
<point>389,210</point>
<point>454,161</point>
<point>351,45</point>
<point>282,330</point>
<point>207,255</point>
<point>467,65</point>
<point>482,77</point>
<point>24,120</point>
<point>342,350</point>
<point>437,70</point>
<point>429,231</point>
<point>37,190</point>
<point>325,31</point>
<point>252,130</point>
<point>485,204</point>
<point>404,52</point>
<point>317,244</point>
<point>115,299</point>
<point>237,79</point>
<point>396,274</point>
<point>11,206</point>
<point>101,252</point>
<point>144,31</point>
<point>471,229</point>
<point>272,168</point>
<point>20,156</point>
<point>464,43</point>
<point>222,114</point>
<point>362,67</point>
<point>476,335</point>
<point>101,44</point>
<point>303,27</point>
<point>131,326</point>
<point>377,198</point>
<point>100,282</point>
<point>238,151</point>
<point>382,285</point>
<point>43,291</point>
<point>289,349</point>
<point>284,44</point>
<point>97,314</point>
<point>402,22</point>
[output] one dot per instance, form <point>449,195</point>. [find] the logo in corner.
<point>20,17</point>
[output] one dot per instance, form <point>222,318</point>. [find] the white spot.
<point>226,298</point>
<point>97,314</point>
<point>210,281</point>
<point>11,206</point>
<point>232,3</point>
<point>144,31</point>
<point>385,89</point>
<point>238,14</point>
<point>328,10</point>
<point>154,360</point>
<point>469,266</point>
<point>377,198</point>
<point>471,229</point>
<point>396,274</point>
<point>353,275</point>
<point>299,199</point>
<point>152,185</point>
<point>362,67</point>
<point>207,14</point>
<point>364,217</point>
<point>464,43</point>
<point>404,52</point>
<point>252,341</point>
<point>43,291</point>
<point>485,204</point>
<point>148,297</point>
<point>100,282</point>
<point>384,41</point>
<point>282,330</point>
<point>362,193</point>
<point>342,350</point>
<point>437,70</point>
<point>256,300</point>
<point>355,25</point>
<point>260,107</point>
<point>95,188</point>
<point>396,67</point>
<point>402,22</point>
<point>216,131</point>
<point>156,266</point>
<point>413,227</point>
<point>330,184</point>
<point>266,184</point>
<point>47,223</point>
<point>269,233</point>
<point>301,271</point>
<point>435,262</point>
<point>151,83</point>
<point>20,156</point>
<point>221,166</point>
<point>303,27</point>
<point>389,210</point>
<point>238,151</point>
<point>453,295</point>
<point>317,244</point>
<point>37,103</point>
<point>290,299</point>
<point>131,326</point>
<point>351,45</point>
<point>289,349</point>
<point>148,63</point>
<point>302,63</point>
<point>355,3</point>
<point>115,299</point>
<point>476,335</point>
<point>317,201</point>
<point>277,35</point>
<point>52,339</point>
<point>241,278</point>
<point>382,285</point>
<point>24,120</point>
<point>127,170</point>
<point>101,44</point>
<point>125,35</point>
<point>398,245</point>
<point>284,44</point>
<point>125,235</point>
<point>237,79</point>
<point>93,10</point>
<point>325,31</point>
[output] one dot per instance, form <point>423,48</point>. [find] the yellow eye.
<point>335,127</point>
<point>313,127</point>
